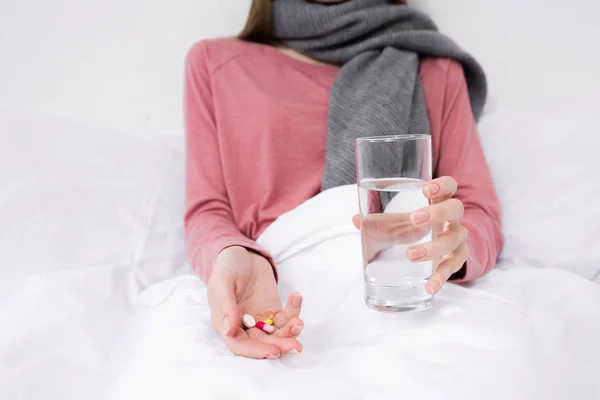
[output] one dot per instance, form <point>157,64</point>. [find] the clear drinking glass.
<point>391,173</point>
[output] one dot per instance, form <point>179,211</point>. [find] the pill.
<point>265,327</point>
<point>264,316</point>
<point>249,321</point>
<point>268,321</point>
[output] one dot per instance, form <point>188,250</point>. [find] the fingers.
<point>283,341</point>
<point>282,345</point>
<point>291,329</point>
<point>284,338</point>
<point>444,244</point>
<point>285,345</point>
<point>245,346</point>
<point>225,315</point>
<point>451,264</point>
<point>448,210</point>
<point>254,343</point>
<point>440,189</point>
<point>356,221</point>
<point>393,228</point>
<point>292,309</point>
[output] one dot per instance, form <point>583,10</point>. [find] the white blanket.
<point>519,333</point>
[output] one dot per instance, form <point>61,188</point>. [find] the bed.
<point>97,299</point>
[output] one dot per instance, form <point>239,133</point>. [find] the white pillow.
<point>77,197</point>
<point>539,131</point>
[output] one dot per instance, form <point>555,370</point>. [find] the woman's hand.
<point>241,283</point>
<point>448,249</point>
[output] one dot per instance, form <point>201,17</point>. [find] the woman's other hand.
<point>448,249</point>
<point>241,283</point>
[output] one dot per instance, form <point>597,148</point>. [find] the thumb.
<point>356,221</point>
<point>224,308</point>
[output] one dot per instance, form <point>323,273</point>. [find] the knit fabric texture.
<point>377,92</point>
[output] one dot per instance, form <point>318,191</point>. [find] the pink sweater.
<point>256,134</point>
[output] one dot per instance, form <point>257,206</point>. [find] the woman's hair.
<point>258,25</point>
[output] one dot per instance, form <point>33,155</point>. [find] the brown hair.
<point>258,25</point>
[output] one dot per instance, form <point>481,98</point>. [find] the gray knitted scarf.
<point>377,91</point>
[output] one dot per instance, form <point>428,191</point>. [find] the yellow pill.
<point>268,321</point>
<point>264,316</point>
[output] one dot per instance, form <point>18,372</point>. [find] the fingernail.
<point>272,357</point>
<point>226,325</point>
<point>417,252</point>
<point>296,300</point>
<point>433,286</point>
<point>419,217</point>
<point>431,189</point>
<point>296,329</point>
<point>293,351</point>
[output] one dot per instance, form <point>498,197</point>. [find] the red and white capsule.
<point>265,327</point>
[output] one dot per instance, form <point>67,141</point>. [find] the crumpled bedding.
<point>519,333</point>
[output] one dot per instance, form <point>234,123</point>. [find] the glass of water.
<point>391,173</point>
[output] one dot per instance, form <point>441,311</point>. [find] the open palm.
<point>243,283</point>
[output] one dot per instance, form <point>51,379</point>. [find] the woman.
<point>261,114</point>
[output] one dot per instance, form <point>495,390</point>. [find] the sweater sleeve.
<point>209,221</point>
<point>461,157</point>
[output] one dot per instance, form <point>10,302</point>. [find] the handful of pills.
<point>264,322</point>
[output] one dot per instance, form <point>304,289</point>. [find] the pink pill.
<point>265,327</point>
